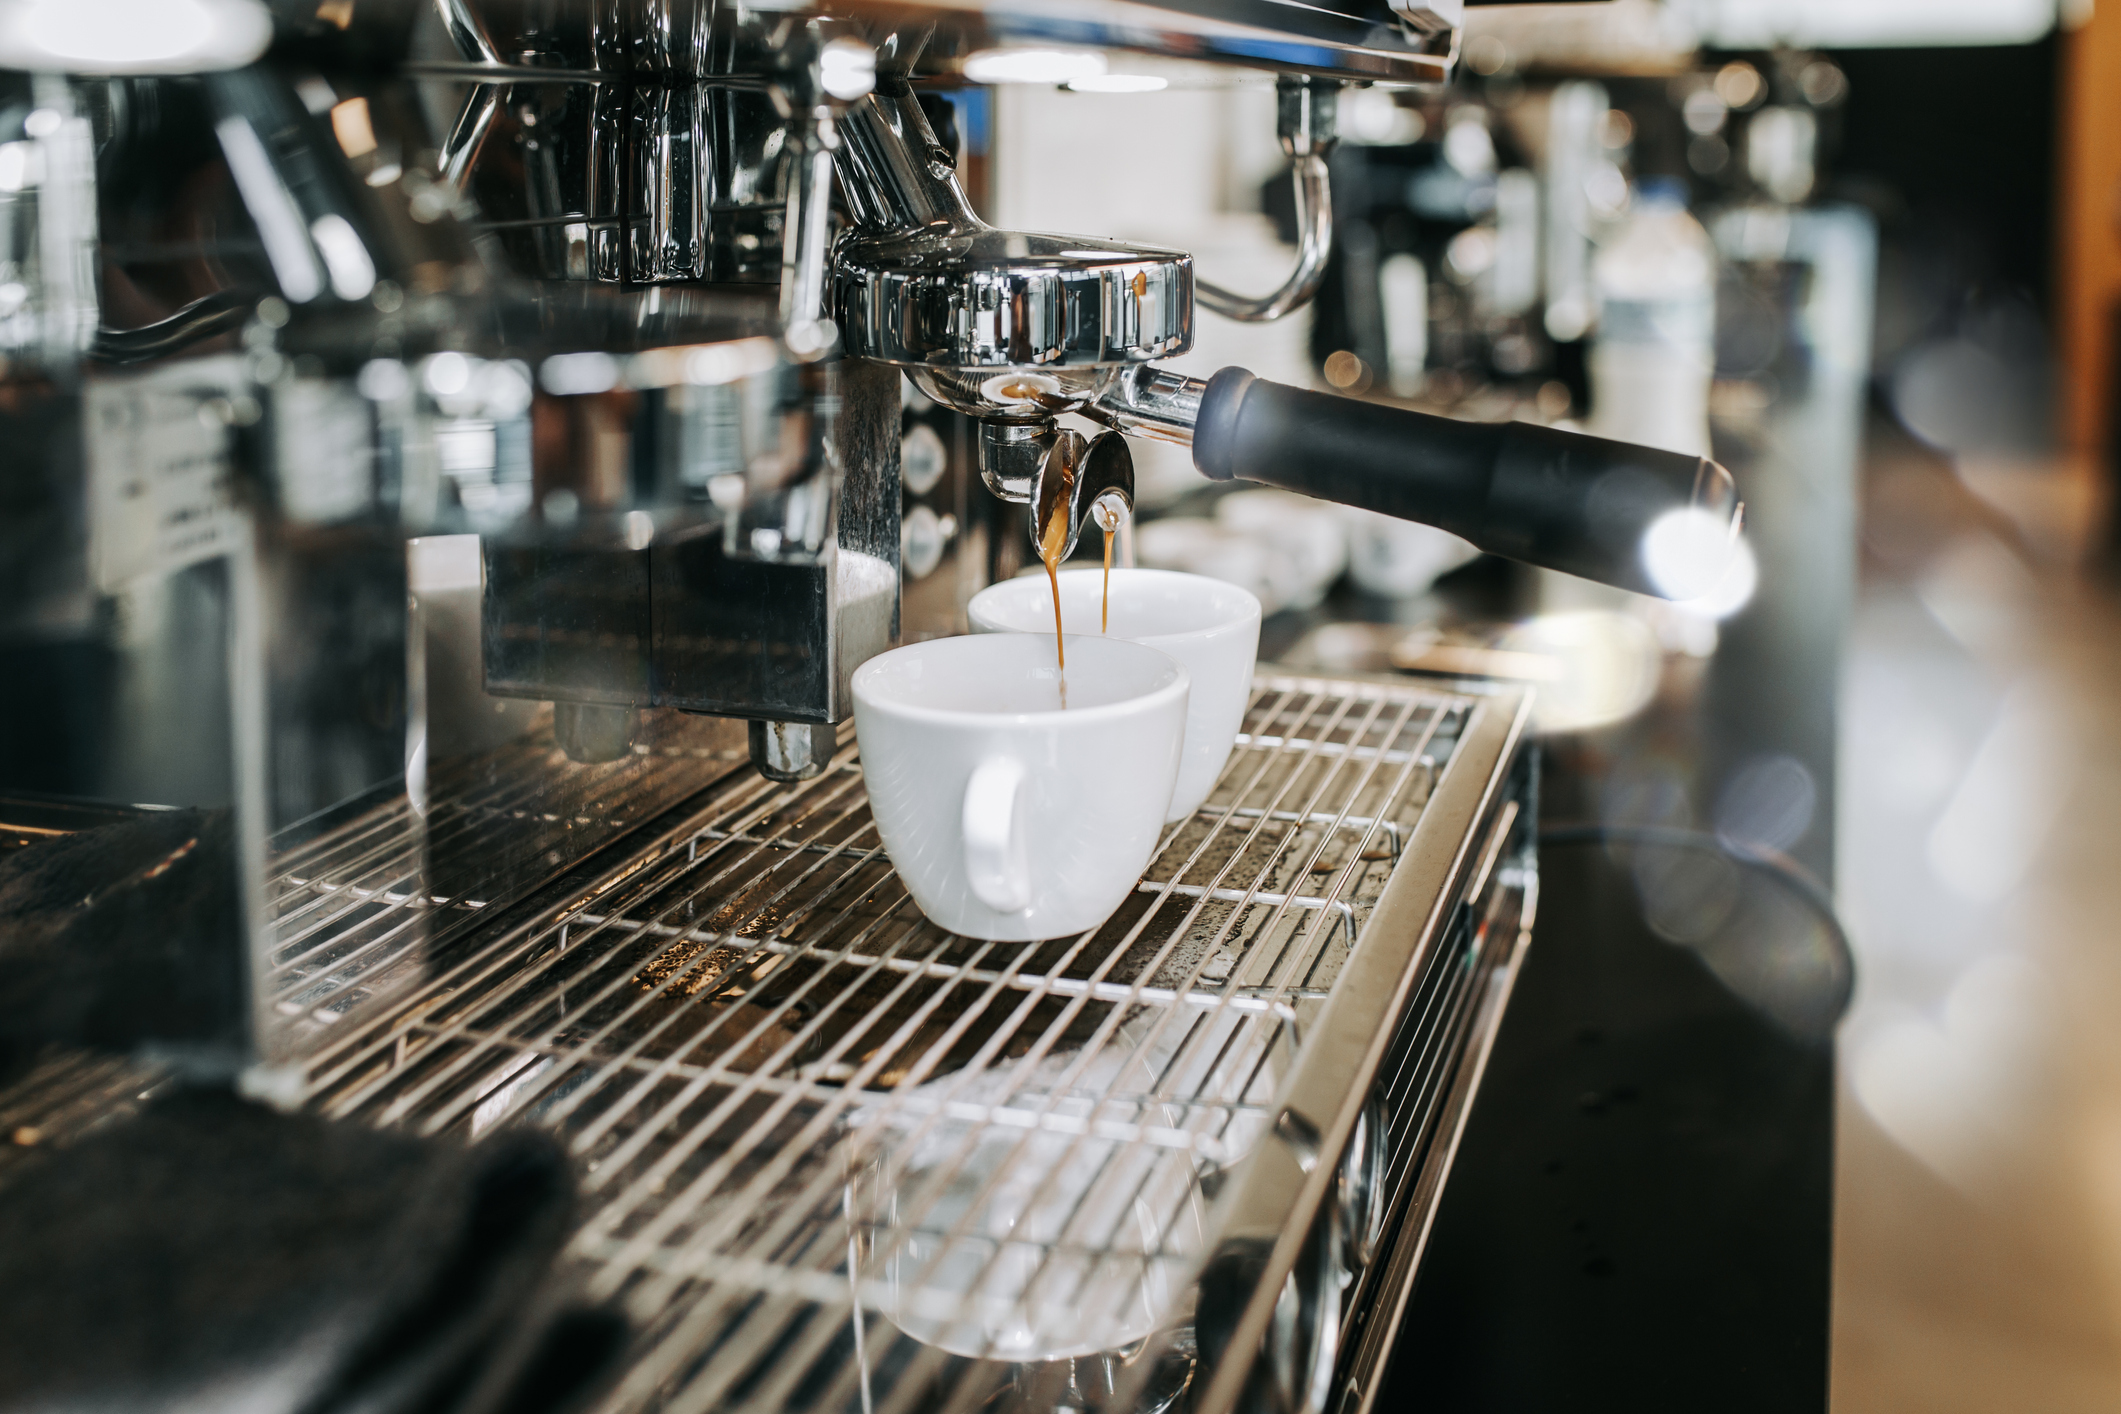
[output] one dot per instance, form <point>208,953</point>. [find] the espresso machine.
<point>454,468</point>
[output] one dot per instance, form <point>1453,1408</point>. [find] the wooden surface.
<point>2088,225</point>
<point>1977,1262</point>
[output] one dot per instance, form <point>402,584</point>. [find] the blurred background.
<point>1868,253</point>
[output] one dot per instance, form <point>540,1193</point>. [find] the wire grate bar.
<point>1390,829</point>
<point>1247,897</point>
<point>1333,748</point>
<point>825,1091</point>
<point>1242,999</point>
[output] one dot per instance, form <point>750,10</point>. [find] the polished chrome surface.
<point>997,300</point>
<point>1314,226</point>
<point>1457,966</point>
<point>467,30</point>
<point>844,70</point>
<point>1025,397</point>
<point>1059,472</point>
<point>792,751</point>
<point>922,282</point>
<point>48,229</point>
<point>1094,484</point>
<point>1011,455</point>
<point>1361,41</point>
<point>1152,402</point>
<point>517,283</point>
<point>635,144</point>
<point>675,151</point>
<point>1412,1162</point>
<point>762,610</point>
<point>899,178</point>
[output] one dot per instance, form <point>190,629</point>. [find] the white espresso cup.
<point>1010,816</point>
<point>1209,626</point>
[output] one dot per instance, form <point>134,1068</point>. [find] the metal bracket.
<point>1305,113</point>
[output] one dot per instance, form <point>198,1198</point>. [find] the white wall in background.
<point>1826,24</point>
<point>1133,165</point>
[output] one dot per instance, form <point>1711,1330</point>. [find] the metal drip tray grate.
<point>359,908</point>
<point>812,1121</point>
<point>67,1094</point>
<point>836,1158</point>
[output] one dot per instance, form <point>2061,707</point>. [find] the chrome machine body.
<point>627,290</point>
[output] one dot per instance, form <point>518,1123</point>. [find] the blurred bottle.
<point>1655,356</point>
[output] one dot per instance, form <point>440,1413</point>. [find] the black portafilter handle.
<point>1582,505</point>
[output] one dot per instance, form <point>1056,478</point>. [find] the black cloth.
<point>125,935</point>
<point>211,1253</point>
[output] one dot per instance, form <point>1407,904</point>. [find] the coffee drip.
<point>1106,511</point>
<point>1104,605</point>
<point>1052,548</point>
<point>1054,531</point>
<point>1079,482</point>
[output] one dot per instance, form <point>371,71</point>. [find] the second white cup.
<point>1210,627</point>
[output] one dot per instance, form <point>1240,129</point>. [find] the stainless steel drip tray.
<point>838,1159</point>
<point>363,911</point>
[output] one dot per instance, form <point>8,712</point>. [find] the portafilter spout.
<point>1080,481</point>
<point>1638,518</point>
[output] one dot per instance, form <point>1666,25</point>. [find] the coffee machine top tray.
<point>835,1158</point>
<point>1364,41</point>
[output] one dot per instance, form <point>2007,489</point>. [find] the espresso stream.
<point>1052,539</point>
<point>1052,544</point>
<point>1104,607</point>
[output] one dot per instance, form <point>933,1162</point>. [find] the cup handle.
<point>995,862</point>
